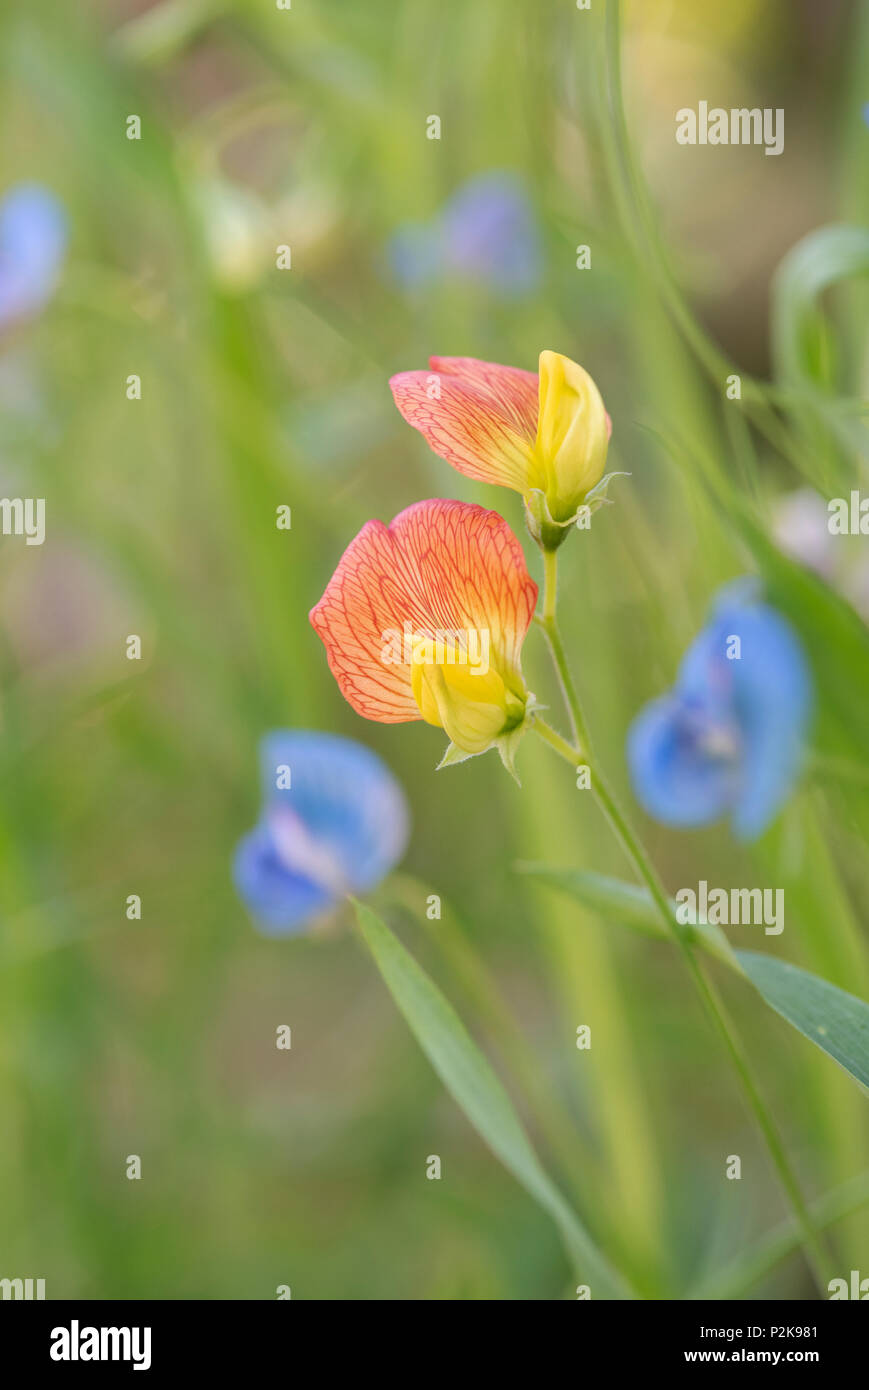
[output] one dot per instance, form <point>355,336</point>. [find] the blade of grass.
<point>478,1092</point>
<point>750,1266</point>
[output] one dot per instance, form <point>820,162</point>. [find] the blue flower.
<point>729,738</point>
<point>414,255</point>
<point>486,232</point>
<point>33,238</point>
<point>334,821</point>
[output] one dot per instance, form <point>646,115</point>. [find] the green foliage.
<point>833,1020</point>
<point>265,387</point>
<point>476,1089</point>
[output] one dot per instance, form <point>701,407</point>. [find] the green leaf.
<point>836,1022</point>
<point>477,1091</point>
<point>627,903</point>
<point>824,256</point>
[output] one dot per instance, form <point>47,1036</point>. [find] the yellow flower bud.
<point>473,706</point>
<point>572,434</point>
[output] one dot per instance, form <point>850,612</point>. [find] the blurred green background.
<point>263,387</point>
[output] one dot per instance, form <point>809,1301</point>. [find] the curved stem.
<point>549,623</point>
<point>709,996</point>
<point>640,224</point>
<point>564,749</point>
<point>632,198</point>
<point>715,1008</point>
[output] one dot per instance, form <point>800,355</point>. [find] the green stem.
<point>641,228</point>
<point>709,997</point>
<point>550,585</point>
<point>564,749</point>
<point>549,624</point>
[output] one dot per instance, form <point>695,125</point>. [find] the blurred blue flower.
<point>486,232</point>
<point>33,238</point>
<point>338,827</point>
<point>414,255</point>
<point>729,738</point>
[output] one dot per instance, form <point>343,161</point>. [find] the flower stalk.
<point>578,753</point>
<point>549,623</point>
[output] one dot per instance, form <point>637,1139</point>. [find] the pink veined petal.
<point>440,566</point>
<point>484,421</point>
<point>367,596</point>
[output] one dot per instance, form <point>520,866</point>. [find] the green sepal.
<point>549,533</point>
<point>454,754</point>
<point>506,743</point>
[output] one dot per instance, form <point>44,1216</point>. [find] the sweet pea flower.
<point>544,434</point>
<point>334,821</point>
<point>425,619</point>
<point>486,232</point>
<point>33,237</point>
<point>729,738</point>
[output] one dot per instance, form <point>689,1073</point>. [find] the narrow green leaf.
<point>836,1022</point>
<point>476,1089</point>
<point>824,256</point>
<point>627,903</point>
